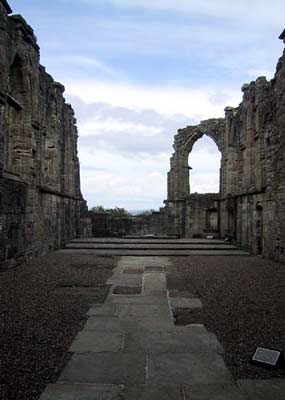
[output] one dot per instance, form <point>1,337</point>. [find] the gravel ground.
<point>243,304</point>
<point>43,305</point>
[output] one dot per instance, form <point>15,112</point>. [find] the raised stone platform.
<point>152,247</point>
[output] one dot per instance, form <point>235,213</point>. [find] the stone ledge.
<point>45,189</point>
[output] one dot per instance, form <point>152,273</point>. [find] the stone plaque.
<point>267,357</point>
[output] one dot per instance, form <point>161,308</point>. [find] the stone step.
<point>149,253</point>
<point>150,246</point>
<point>151,241</point>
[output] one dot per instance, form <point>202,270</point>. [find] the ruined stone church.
<point>250,208</point>
<point>40,197</point>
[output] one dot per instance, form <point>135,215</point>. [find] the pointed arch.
<point>17,78</point>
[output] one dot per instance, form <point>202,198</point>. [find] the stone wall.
<point>104,224</point>
<point>251,139</point>
<point>202,215</point>
<point>253,169</point>
<point>40,196</point>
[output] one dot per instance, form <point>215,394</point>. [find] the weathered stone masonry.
<point>40,196</point>
<point>251,140</point>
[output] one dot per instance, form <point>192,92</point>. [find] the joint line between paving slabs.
<point>143,280</point>
<point>123,341</point>
<point>169,306</point>
<point>146,369</point>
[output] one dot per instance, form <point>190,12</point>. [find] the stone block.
<point>81,392</point>
<point>188,369</point>
<point>180,302</point>
<point>97,342</point>
<point>105,368</point>
<point>263,389</point>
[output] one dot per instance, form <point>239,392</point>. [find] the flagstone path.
<point>130,347</point>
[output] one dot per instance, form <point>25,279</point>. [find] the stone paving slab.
<point>148,392</point>
<point>185,302</point>
<point>213,392</point>
<point>141,392</point>
<point>105,368</point>
<point>140,262</point>
<point>103,324</point>
<point>263,389</point>
<point>216,343</point>
<point>191,368</point>
<point>138,311</point>
<point>165,342</point>
<point>120,274</point>
<point>97,342</point>
<point>140,300</point>
<point>81,392</point>
<point>156,324</point>
<point>130,348</point>
<point>153,282</point>
<point>125,281</point>
<point>126,290</point>
<point>197,328</point>
<point>103,310</point>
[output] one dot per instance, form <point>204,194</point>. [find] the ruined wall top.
<point>6,6</point>
<point>282,36</point>
<point>214,128</point>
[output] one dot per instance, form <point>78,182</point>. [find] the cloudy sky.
<point>137,70</point>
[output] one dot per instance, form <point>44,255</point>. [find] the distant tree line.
<point>119,212</point>
<point>114,212</point>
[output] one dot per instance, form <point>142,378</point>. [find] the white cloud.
<point>83,61</point>
<point>136,188</point>
<point>197,104</point>
<point>97,126</point>
<point>205,160</point>
<point>258,11</point>
<point>129,168</point>
<point>124,154</point>
<point>204,183</point>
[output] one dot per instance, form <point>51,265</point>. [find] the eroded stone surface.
<point>263,389</point>
<point>190,368</point>
<point>135,349</point>
<point>250,206</point>
<point>98,341</point>
<point>81,392</point>
<point>39,166</point>
<point>105,368</point>
<point>185,302</point>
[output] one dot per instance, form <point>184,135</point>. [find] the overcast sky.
<point>135,71</point>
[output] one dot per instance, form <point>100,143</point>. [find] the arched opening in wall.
<point>17,79</point>
<point>15,100</point>
<point>205,163</point>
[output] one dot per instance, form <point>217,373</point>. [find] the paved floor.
<point>130,348</point>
